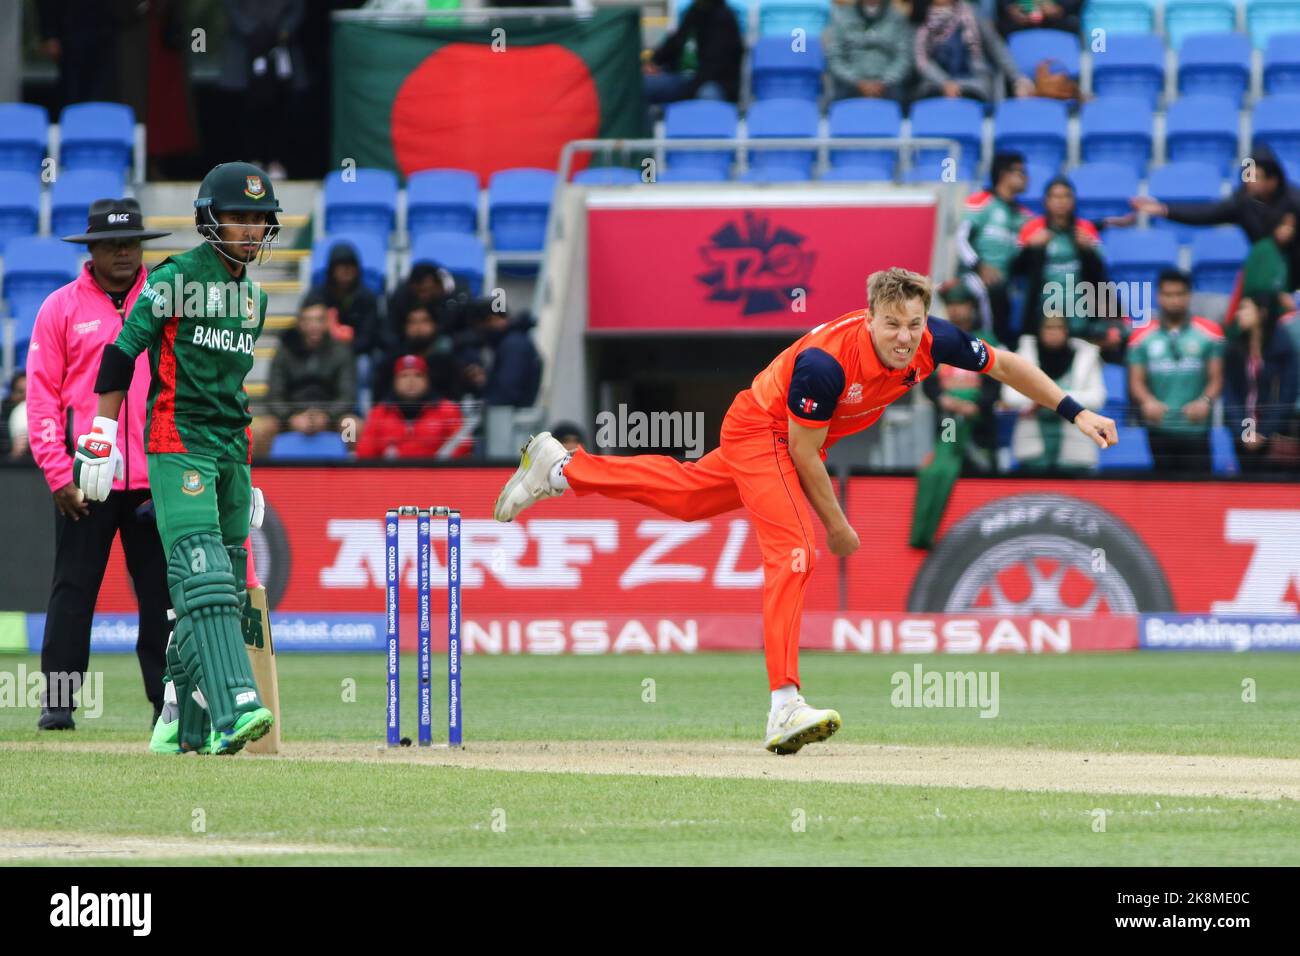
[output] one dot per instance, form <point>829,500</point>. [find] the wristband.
<point>1069,409</point>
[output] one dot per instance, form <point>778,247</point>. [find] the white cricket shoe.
<point>532,479</point>
<point>795,724</point>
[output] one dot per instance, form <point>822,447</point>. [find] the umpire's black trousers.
<point>81,550</point>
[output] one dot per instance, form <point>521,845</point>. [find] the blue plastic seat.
<point>857,173</point>
<point>24,320</point>
<point>1282,63</point>
<point>1138,255</point>
<point>1103,189</point>
<point>442,200</point>
<point>96,136</point>
<point>699,119</point>
<point>1266,19</point>
<point>1030,47</point>
<point>364,202</point>
<point>779,70</point>
<point>372,254</point>
<point>1115,377</point>
<point>1116,129</point>
<point>775,173</point>
<point>519,202</point>
<point>24,134</point>
<point>1035,127</point>
<point>33,268</point>
<point>783,17</point>
<point>1223,451</point>
<point>1118,18</point>
<point>692,174</point>
<point>1203,129</point>
<point>607,176</point>
<point>1215,64</point>
<point>1217,255</point>
<point>292,446</point>
<point>865,117</point>
<point>959,119</point>
<point>769,119</point>
<point>72,194</point>
<point>460,254</point>
<point>20,205</point>
<point>1133,453</point>
<point>1131,65</point>
<point>1036,179</point>
<point>1276,124</point>
<point>1186,17</point>
<point>1184,182</point>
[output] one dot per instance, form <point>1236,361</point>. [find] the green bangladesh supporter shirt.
<point>1176,360</point>
<point>199,325</point>
<point>990,227</point>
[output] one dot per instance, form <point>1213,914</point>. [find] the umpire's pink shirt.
<point>72,328</point>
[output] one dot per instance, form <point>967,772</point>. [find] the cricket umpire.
<point>72,328</point>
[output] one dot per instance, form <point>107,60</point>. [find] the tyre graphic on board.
<point>270,547</point>
<point>1040,554</point>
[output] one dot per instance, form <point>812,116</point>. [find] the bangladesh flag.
<point>483,96</point>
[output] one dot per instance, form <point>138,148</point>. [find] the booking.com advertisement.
<point>1025,567</point>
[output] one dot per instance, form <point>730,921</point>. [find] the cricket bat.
<point>262,659</point>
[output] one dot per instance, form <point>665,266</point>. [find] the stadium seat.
<point>1203,129</point>
<point>24,133</point>
<point>1131,65</point>
<point>1030,47</point>
<point>1186,17</point>
<point>1103,189</point>
<point>1215,64</point>
<point>1276,124</point>
<point>692,174</point>
<point>699,119</point>
<point>1115,377</point>
<point>1036,180</point>
<point>1116,129</point>
<point>1183,182</point>
<point>1138,255</point>
<point>769,119</point>
<point>24,324</point>
<point>864,117</point>
<point>371,251</point>
<point>1223,451</point>
<point>290,446</point>
<point>20,205</point>
<point>1217,255</point>
<point>72,194</point>
<point>607,176</point>
<point>1266,19</point>
<point>859,173</point>
<point>1118,18</point>
<point>519,202</point>
<point>364,203</point>
<point>783,17</point>
<point>460,254</point>
<point>96,136</point>
<point>33,268</point>
<point>776,174</point>
<point>959,119</point>
<point>1282,63</point>
<point>1035,127</point>
<point>1133,453</point>
<point>780,71</point>
<point>442,200</point>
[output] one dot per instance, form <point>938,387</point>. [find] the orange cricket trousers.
<point>751,468</point>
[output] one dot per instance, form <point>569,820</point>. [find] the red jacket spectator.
<point>415,424</point>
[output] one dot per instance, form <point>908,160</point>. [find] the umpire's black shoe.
<point>56,718</point>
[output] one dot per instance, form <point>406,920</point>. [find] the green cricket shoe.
<point>166,737</point>
<point>251,726</point>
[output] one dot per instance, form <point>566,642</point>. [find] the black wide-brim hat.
<point>115,219</point>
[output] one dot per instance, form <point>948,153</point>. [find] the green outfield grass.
<point>408,814</point>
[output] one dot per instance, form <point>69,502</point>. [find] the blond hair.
<point>897,284</point>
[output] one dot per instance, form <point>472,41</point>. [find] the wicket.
<point>392,570</point>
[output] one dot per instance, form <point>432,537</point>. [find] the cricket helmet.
<point>235,187</point>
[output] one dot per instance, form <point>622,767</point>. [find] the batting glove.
<point>98,460</point>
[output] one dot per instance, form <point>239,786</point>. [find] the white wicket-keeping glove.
<point>97,460</point>
<point>257,509</point>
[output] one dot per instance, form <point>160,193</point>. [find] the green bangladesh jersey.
<point>1176,360</point>
<point>199,325</point>
<point>989,231</point>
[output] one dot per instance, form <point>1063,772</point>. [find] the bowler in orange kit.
<point>834,381</point>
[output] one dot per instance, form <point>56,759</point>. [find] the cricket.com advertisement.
<point>1032,566</point>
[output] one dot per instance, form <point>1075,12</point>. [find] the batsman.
<point>199,315</point>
